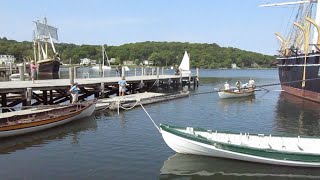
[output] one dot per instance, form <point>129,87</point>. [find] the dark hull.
<point>49,70</point>
<point>291,71</point>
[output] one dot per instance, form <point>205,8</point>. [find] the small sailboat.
<point>184,67</point>
<point>103,66</point>
<point>260,148</point>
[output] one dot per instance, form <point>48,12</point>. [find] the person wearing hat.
<point>74,90</point>
<point>33,70</point>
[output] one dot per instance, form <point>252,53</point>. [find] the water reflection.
<point>295,115</point>
<point>72,129</point>
<point>225,104</point>
<point>193,167</point>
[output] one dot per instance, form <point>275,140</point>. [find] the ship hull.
<point>49,70</point>
<point>291,70</point>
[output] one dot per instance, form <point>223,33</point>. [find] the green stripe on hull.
<point>265,153</point>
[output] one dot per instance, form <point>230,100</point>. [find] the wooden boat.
<point>27,121</point>
<point>235,93</point>
<point>277,150</point>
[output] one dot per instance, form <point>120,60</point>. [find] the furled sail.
<point>45,30</point>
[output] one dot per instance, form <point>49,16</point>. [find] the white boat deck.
<point>261,141</point>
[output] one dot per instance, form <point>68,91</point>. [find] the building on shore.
<point>7,60</point>
<point>86,62</point>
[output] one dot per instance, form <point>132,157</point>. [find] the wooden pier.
<point>55,91</point>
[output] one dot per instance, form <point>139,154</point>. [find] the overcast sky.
<point>229,23</point>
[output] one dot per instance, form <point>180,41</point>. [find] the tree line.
<point>202,55</point>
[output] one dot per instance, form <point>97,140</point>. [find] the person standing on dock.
<point>33,70</point>
<point>74,90</point>
<point>119,70</point>
<point>122,86</point>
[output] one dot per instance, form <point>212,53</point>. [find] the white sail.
<point>185,64</point>
<point>46,31</point>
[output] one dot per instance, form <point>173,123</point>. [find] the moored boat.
<point>299,53</point>
<point>48,62</point>
<point>260,148</point>
<point>27,121</point>
<point>235,93</point>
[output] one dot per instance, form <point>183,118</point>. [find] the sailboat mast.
<point>102,55</point>
<point>317,21</point>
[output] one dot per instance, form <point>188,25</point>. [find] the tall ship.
<point>299,52</point>
<point>45,54</point>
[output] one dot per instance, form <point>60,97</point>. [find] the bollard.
<point>162,70</point>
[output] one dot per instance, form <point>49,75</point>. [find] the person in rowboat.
<point>226,86</point>
<point>251,84</point>
<point>238,85</point>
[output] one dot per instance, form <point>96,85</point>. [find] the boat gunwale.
<point>41,122</point>
<point>247,150</point>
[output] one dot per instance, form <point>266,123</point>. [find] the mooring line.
<point>150,117</point>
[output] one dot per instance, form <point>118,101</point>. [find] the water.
<point>128,146</point>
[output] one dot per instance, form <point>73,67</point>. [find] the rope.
<point>152,85</point>
<point>137,101</point>
<point>150,117</point>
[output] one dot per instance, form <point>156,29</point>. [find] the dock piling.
<point>29,96</point>
<point>102,90</point>
<point>71,75</point>
<point>21,71</point>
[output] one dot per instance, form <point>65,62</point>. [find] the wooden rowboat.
<point>27,121</point>
<point>277,150</point>
<point>235,93</point>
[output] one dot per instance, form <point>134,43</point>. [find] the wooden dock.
<point>130,101</point>
<point>55,91</point>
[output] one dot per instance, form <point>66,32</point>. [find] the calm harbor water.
<point>128,146</point>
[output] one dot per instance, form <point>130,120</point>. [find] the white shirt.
<point>226,86</point>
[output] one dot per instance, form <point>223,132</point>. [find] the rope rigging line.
<point>150,117</point>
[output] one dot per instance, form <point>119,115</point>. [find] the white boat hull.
<point>187,146</point>
<point>87,112</point>
<point>226,94</point>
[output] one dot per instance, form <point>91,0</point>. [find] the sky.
<point>228,23</point>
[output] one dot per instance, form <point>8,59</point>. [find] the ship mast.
<point>316,22</point>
